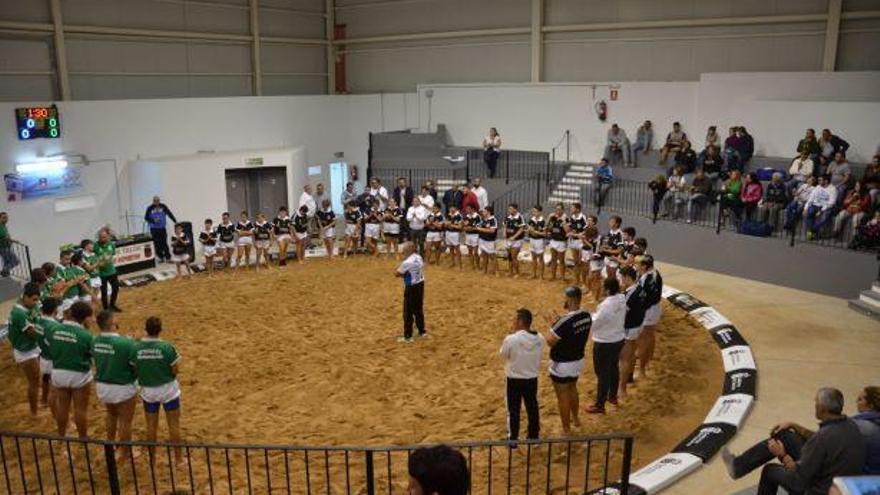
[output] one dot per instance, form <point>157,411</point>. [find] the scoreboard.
<point>38,122</point>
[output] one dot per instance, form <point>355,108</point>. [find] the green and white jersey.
<point>72,273</point>
<point>92,260</point>
<point>20,318</point>
<point>105,253</point>
<point>70,347</point>
<point>153,359</point>
<point>46,328</point>
<point>112,353</point>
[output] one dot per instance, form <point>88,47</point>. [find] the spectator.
<point>731,153</point>
<point>747,149</point>
<point>156,215</point>
<point>426,199</point>
<point>348,195</point>
<point>432,190</point>
<point>840,173</point>
<point>306,199</point>
<point>604,180</point>
<point>829,146</point>
<point>492,150</point>
<point>712,137</point>
<point>868,421</point>
<point>711,162</point>
<point>855,207</point>
<point>751,195</point>
<point>730,196</point>
<point>416,216</point>
<point>871,180</point>
<point>617,142</point>
<point>452,197</point>
<point>868,236</point>
<point>522,350</point>
<point>403,194</point>
<point>817,211</point>
<point>481,192</point>
<point>658,186</point>
<point>810,145</point>
<point>319,194</point>
<point>686,158</point>
<point>801,168</point>
<point>644,138</point>
<point>10,260</point>
<point>800,196</point>
<point>774,200</point>
<point>377,191</point>
<point>809,460</point>
<point>439,470</point>
<point>699,193</point>
<point>673,142</point>
<point>676,194</point>
<point>469,198</point>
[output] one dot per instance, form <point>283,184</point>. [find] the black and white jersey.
<point>263,231</point>
<point>435,222</point>
<point>636,306</point>
<point>627,252</point>
<point>208,237</point>
<point>326,217</point>
<point>489,223</point>
<point>473,220</point>
<point>179,244</point>
<point>353,216</point>
<point>226,233</point>
<point>243,227</point>
<point>573,331</point>
<point>577,224</point>
<point>614,239</point>
<point>301,223</point>
<point>373,216</point>
<point>539,226</point>
<point>454,222</point>
<point>282,225</point>
<point>513,223</point>
<point>652,283</point>
<point>393,215</point>
<point>556,226</point>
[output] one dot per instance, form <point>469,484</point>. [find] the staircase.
<point>868,302</point>
<point>573,186</point>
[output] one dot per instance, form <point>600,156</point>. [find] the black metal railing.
<point>16,261</point>
<point>512,164</point>
<point>35,463</point>
<point>417,177</point>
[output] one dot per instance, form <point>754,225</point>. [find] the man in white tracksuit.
<point>522,352</point>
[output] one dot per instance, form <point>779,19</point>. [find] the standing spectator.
<point>432,190</point>
<point>673,142</point>
<point>686,158</point>
<point>306,199</point>
<point>818,209</point>
<point>800,195</point>
<point>416,216</point>
<point>774,200</point>
<point>712,137</point>
<point>617,142</point>
<point>698,195</point>
<point>469,198</point>
<point>522,352</point>
<point>730,196</point>
<point>604,181</point>
<point>452,197</point>
<point>855,207</point>
<point>676,194</point>
<point>378,191</point>
<point>810,145</point>
<point>426,199</point>
<point>658,187</point>
<point>747,145</point>
<point>871,180</point>
<point>411,270</point>
<point>607,335</point>
<point>403,194</point>
<point>492,150</point>
<point>840,173</point>
<point>481,192</point>
<point>644,139</point>
<point>319,195</point>
<point>731,152</point>
<point>830,145</point>
<point>348,195</point>
<point>801,168</point>
<point>711,162</point>
<point>439,470</point>
<point>156,216</point>
<point>751,194</point>
<point>10,260</point>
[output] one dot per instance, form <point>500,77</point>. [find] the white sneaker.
<point>727,457</point>
<point>405,340</point>
<point>423,336</point>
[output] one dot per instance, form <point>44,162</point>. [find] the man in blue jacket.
<point>157,215</point>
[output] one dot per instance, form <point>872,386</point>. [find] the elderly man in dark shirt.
<point>809,459</point>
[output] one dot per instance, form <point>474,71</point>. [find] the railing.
<point>416,177</point>
<point>512,164</point>
<point>16,261</point>
<point>34,463</point>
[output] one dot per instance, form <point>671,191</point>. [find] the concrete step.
<point>568,187</point>
<point>875,287</point>
<point>582,168</point>
<point>865,308</point>
<point>575,180</point>
<point>870,297</point>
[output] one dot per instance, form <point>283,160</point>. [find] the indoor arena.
<point>438,247</point>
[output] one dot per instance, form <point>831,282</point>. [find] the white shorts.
<point>597,264</point>
<point>391,228</point>
<point>472,240</point>
<point>163,393</point>
<point>330,233</point>
<point>575,244</point>
<point>371,230</point>
<point>45,366</point>
<point>246,241</point>
<point>517,244</point>
<point>487,247</point>
<point>283,237</point>
<point>111,393</point>
<point>434,236</point>
<point>568,369</point>
<point>180,258</point>
<point>536,245</point>
<point>558,246</point>
<point>453,239</point>
<point>611,262</point>
<point>95,283</point>
<point>632,333</point>
<point>351,230</point>
<point>586,256</point>
<point>300,235</point>
<point>209,250</point>
<point>70,379</point>
<point>653,314</point>
<point>263,243</point>
<point>226,245</point>
<point>21,357</point>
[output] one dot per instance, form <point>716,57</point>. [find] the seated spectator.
<point>751,194</point>
<point>810,145</point>
<point>712,137</point>
<point>644,138</point>
<point>840,173</point>
<point>673,142</point>
<point>747,145</point>
<point>809,460</point>
<point>731,153</point>
<point>686,158</point>
<point>658,187</point>
<point>817,211</point>
<point>775,199</point>
<point>855,207</point>
<point>617,142</point>
<point>868,421</point>
<point>730,196</point>
<point>829,146</point>
<point>711,162</point>
<point>676,194</point>
<point>801,168</point>
<point>871,180</point>
<point>868,235</point>
<point>799,197</point>
<point>699,193</point>
<point>604,178</point>
<point>438,470</point>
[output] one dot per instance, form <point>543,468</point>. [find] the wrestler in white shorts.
<point>558,246</point>
<point>433,236</point>
<point>282,238</point>
<point>472,240</point>
<point>21,357</point>
<point>300,235</point>
<point>371,230</point>
<point>597,264</point>
<point>351,230</point>
<point>229,246</point>
<point>487,247</point>
<point>453,239</point>
<point>536,245</point>
<point>391,228</point>
<point>70,379</point>
<point>180,258</point>
<point>586,255</point>
<point>209,251</point>
<point>517,244</point>
<point>112,393</point>
<point>330,233</point>
<point>575,244</point>
<point>632,334</point>
<point>652,315</point>
<point>245,241</point>
<point>45,366</point>
<point>263,244</point>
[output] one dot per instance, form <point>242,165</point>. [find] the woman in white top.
<point>676,195</point>
<point>492,150</point>
<point>607,335</point>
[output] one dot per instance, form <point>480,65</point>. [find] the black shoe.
<point>115,309</point>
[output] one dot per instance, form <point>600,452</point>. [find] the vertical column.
<point>60,50</point>
<point>537,40</point>
<point>330,29</point>
<point>256,57</point>
<point>832,35</point>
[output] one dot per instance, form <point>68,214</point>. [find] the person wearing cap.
<point>567,338</point>
<point>522,352</point>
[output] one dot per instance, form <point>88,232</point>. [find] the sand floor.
<point>307,355</point>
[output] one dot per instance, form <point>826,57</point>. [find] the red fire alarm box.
<point>613,95</point>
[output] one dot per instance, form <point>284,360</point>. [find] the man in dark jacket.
<point>403,194</point>
<point>156,216</point>
<point>774,200</point>
<point>452,197</point>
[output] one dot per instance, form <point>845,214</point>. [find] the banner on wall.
<point>30,185</point>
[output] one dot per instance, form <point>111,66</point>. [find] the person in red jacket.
<point>469,197</point>
<point>751,194</point>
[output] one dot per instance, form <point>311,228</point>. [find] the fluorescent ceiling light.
<point>36,167</point>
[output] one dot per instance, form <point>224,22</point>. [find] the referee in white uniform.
<point>522,351</point>
<point>411,270</point>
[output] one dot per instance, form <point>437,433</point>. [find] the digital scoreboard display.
<point>38,122</point>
